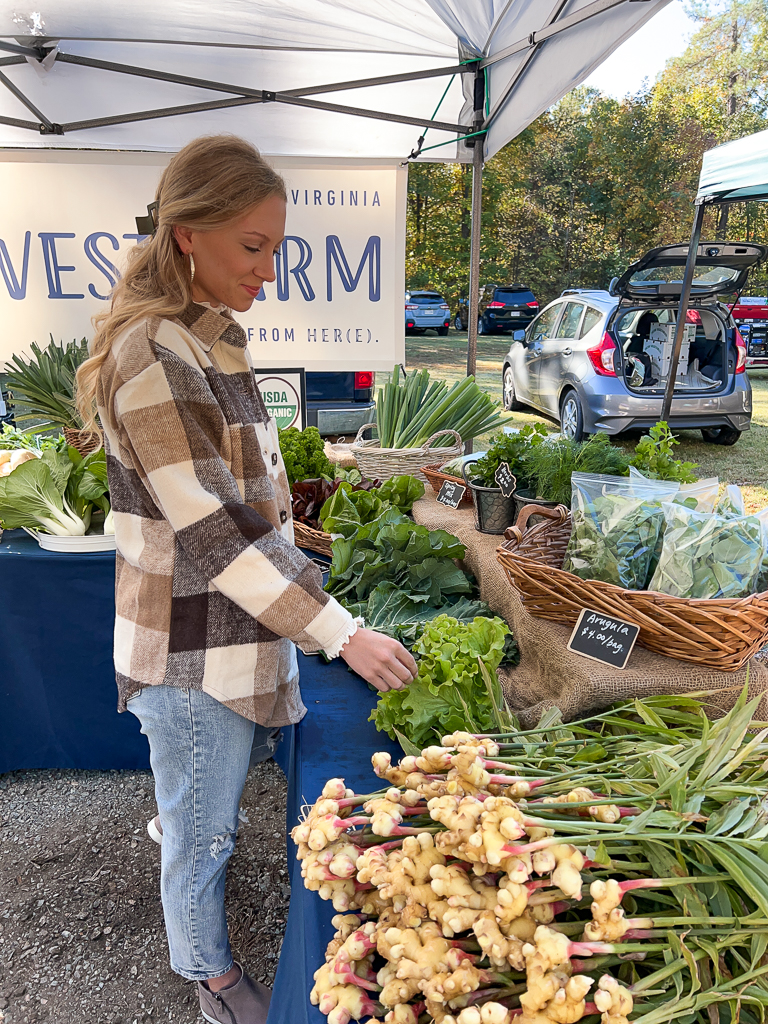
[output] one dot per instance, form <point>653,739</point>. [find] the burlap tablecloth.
<point>549,675</point>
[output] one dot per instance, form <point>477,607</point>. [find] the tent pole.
<point>682,309</point>
<point>474,254</point>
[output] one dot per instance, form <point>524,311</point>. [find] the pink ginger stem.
<point>345,823</point>
<point>641,933</point>
<point>346,976</point>
<point>401,830</point>
<point>418,809</point>
<point>589,948</point>
<point>541,844</point>
<point>641,883</point>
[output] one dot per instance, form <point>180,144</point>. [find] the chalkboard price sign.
<point>450,494</point>
<point>506,480</point>
<point>603,638</point>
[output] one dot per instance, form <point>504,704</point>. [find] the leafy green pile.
<point>706,555</point>
<point>57,493</point>
<point>456,687</point>
<point>13,439</point>
<point>348,509</point>
<point>408,414</point>
<point>389,610</point>
<point>653,456</point>
<point>303,454</point>
<point>551,465</point>
<point>394,549</point>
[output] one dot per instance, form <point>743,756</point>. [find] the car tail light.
<point>409,305</point>
<point>444,305</point>
<point>364,379</point>
<point>495,305</point>
<point>741,354</point>
<point>533,305</point>
<point>603,356</point>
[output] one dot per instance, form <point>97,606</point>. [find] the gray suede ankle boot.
<point>245,1002</point>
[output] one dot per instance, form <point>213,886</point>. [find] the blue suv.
<point>426,309</point>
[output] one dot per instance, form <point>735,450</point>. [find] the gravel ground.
<point>81,926</point>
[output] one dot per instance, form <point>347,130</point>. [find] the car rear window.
<point>591,318</point>
<point>426,298</point>
<point>515,296</point>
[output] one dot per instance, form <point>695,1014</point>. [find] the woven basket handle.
<point>454,434</point>
<point>362,430</point>
<point>559,515</point>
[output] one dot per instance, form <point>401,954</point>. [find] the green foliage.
<point>392,611</point>
<point>456,687</point>
<point>346,510</point>
<point>396,550</point>
<point>551,465</point>
<point>11,439</point>
<point>42,387</point>
<point>653,456</point>
<point>514,449</point>
<point>303,454</point>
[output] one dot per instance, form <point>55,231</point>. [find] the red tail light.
<point>741,354</point>
<point>533,305</point>
<point>410,305</point>
<point>495,305</point>
<point>603,356</point>
<point>364,379</point>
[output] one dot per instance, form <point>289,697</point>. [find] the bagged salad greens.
<point>707,555</point>
<point>701,495</point>
<point>617,522</point>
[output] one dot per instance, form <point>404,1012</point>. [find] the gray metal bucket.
<point>493,512</point>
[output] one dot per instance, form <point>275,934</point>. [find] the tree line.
<point>595,182</point>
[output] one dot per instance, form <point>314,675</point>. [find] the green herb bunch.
<point>456,687</point>
<point>551,465</point>
<point>653,456</point>
<point>303,454</point>
<point>514,449</point>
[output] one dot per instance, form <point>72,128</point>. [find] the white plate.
<point>92,542</point>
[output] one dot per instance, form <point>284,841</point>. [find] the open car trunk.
<point>645,335</point>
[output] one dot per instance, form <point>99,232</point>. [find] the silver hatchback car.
<point>598,360</point>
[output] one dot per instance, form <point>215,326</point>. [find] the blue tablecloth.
<point>58,710</point>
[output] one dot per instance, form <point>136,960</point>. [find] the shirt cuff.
<point>333,649</point>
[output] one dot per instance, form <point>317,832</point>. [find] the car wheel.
<point>509,395</point>
<point>442,331</point>
<point>458,324</point>
<point>572,417</point>
<point>721,435</point>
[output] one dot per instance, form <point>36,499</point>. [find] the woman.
<point>211,592</point>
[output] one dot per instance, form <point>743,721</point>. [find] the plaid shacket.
<point>211,592</point>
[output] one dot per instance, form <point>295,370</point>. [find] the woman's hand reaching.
<point>380,660</point>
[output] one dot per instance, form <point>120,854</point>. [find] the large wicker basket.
<point>379,463</point>
<point>85,441</point>
<point>313,540</point>
<point>721,633</point>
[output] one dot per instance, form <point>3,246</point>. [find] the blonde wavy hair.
<point>209,183</point>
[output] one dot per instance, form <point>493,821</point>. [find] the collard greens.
<point>450,691</point>
<point>347,509</point>
<point>708,555</point>
<point>395,549</point>
<point>389,610</point>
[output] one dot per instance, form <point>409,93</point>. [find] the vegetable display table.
<point>58,701</point>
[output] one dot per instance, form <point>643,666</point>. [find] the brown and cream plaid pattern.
<point>211,592</point>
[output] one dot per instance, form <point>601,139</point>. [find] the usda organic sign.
<point>284,393</point>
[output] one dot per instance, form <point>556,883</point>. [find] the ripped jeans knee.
<point>223,843</point>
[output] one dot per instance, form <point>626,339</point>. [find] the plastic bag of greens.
<point>708,555</point>
<point>616,526</point>
<point>701,496</point>
<point>732,502</point>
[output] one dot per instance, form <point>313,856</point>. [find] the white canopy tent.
<point>734,172</point>
<point>320,78</point>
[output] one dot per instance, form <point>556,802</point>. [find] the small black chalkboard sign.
<point>451,493</point>
<point>506,480</point>
<point>603,638</point>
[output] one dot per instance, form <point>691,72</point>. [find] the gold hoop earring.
<point>191,268</point>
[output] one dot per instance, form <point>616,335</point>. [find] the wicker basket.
<point>437,478</point>
<point>720,633</point>
<point>85,441</point>
<point>379,463</point>
<point>313,540</point>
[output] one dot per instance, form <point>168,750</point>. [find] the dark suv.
<point>503,308</point>
<point>340,403</point>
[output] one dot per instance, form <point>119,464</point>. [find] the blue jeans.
<point>200,752</point>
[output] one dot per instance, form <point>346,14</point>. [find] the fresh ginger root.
<point>386,813</point>
<point>566,875</point>
<point>567,1005</point>
<point>512,901</point>
<point>345,924</point>
<point>396,774</point>
<point>502,950</point>
<point>488,1013</point>
<point>500,823</point>
<point>614,1002</point>
<point>608,923</point>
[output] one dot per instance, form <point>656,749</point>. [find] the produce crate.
<point>436,478</point>
<point>313,540</point>
<point>720,633</point>
<point>379,463</point>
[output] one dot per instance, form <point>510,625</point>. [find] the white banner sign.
<point>67,221</point>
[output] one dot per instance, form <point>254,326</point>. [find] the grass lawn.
<point>746,463</point>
